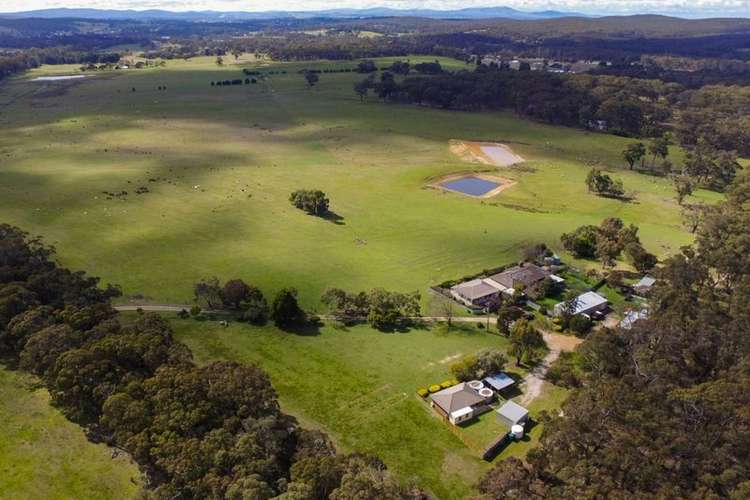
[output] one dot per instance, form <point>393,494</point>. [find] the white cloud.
<point>708,7</point>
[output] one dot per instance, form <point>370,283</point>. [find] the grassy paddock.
<point>360,385</point>
<point>44,456</point>
<point>220,162</point>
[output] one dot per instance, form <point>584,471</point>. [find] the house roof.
<point>528,274</point>
<point>512,411</point>
<point>475,289</point>
<point>499,381</point>
<point>585,302</point>
<point>646,282</point>
<point>456,397</point>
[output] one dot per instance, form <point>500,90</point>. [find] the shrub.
<point>447,384</point>
<point>195,311</point>
<point>434,388</point>
<point>580,324</point>
<point>422,392</point>
<point>183,314</point>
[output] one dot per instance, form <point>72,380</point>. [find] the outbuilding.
<point>512,414</point>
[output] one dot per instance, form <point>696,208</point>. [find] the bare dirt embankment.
<point>489,153</point>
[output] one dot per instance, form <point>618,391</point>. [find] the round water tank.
<point>517,431</point>
<point>486,393</point>
<point>476,385</point>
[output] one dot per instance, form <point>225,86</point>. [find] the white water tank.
<point>486,393</point>
<point>517,431</point>
<point>476,385</point>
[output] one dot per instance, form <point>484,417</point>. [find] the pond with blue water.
<point>473,186</point>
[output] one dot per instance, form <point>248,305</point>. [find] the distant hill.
<point>215,16</point>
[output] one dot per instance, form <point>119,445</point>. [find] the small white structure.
<point>587,303</point>
<point>517,431</point>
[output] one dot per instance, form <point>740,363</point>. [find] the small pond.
<point>473,186</point>
<point>57,78</point>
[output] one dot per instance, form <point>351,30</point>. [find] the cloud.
<point>708,7</point>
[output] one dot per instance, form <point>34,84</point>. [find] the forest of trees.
<point>661,411</point>
<point>210,431</point>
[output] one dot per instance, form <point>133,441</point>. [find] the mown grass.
<point>360,385</point>
<point>224,160</point>
<point>44,456</point>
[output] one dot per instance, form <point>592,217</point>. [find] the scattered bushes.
<point>476,367</point>
<point>422,392</point>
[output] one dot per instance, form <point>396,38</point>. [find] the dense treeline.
<point>19,61</point>
<point>662,411</point>
<point>213,431</point>
<point>629,107</point>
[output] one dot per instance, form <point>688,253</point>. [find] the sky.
<point>692,8</point>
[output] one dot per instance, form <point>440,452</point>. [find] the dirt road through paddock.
<point>535,378</point>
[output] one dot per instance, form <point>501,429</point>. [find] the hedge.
<point>434,388</point>
<point>423,392</point>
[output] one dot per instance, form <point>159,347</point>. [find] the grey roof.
<point>528,274</point>
<point>512,411</point>
<point>499,381</point>
<point>646,282</point>
<point>475,289</point>
<point>456,397</point>
<point>588,301</point>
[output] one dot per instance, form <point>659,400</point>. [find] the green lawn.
<point>44,456</point>
<point>220,163</point>
<point>359,385</point>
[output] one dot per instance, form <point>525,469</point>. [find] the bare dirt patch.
<point>476,152</point>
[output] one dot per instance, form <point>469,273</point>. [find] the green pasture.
<point>220,162</point>
<point>360,386</point>
<point>44,456</point>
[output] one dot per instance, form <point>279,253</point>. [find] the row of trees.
<point>661,411</point>
<point>248,301</point>
<point>607,241</point>
<point>212,431</point>
<point>381,308</point>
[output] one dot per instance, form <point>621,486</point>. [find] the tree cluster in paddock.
<point>607,241</point>
<point>381,308</point>
<point>314,202</point>
<point>211,431</point>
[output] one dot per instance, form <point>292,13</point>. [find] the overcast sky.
<point>697,7</point>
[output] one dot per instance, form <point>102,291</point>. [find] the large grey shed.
<point>511,414</point>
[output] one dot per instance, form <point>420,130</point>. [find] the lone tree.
<point>208,293</point>
<point>659,148</point>
<point>235,292</point>
<point>313,202</point>
<point>312,78</point>
<point>525,342</point>
<point>683,187</point>
<point>285,310</point>
<point>634,153</point>
<point>219,61</point>
<point>602,184</point>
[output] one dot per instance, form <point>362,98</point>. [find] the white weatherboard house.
<point>587,303</point>
<point>462,402</point>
